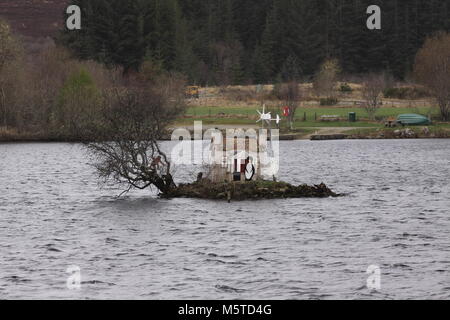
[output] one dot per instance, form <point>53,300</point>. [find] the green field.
<point>310,112</point>
<point>246,115</point>
<point>298,123</point>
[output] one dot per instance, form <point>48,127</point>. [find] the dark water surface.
<point>397,216</point>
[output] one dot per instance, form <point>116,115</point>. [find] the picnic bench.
<point>329,118</point>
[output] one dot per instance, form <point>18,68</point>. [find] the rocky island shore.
<point>254,190</point>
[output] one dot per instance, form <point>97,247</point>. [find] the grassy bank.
<point>307,122</point>
<point>305,117</point>
<point>430,132</point>
<point>219,112</point>
<point>12,135</point>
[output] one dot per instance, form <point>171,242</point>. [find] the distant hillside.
<point>34,18</point>
<point>223,42</point>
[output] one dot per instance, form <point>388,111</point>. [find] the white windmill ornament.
<point>267,117</point>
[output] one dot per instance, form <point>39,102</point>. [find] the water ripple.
<point>53,215</point>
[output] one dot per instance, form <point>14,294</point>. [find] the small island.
<point>252,190</point>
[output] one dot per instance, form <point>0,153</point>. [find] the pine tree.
<point>259,69</point>
<point>130,46</point>
<point>270,43</point>
<point>258,36</point>
<point>291,70</point>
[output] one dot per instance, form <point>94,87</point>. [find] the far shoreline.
<point>285,137</point>
<point>318,133</point>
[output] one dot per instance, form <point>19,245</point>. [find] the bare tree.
<point>125,141</point>
<point>9,51</point>
<point>432,69</point>
<point>372,91</point>
<point>8,45</point>
<point>291,95</point>
<point>226,57</point>
<point>326,79</point>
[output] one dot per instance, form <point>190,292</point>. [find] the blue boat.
<point>413,120</point>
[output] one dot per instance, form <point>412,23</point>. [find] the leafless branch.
<point>125,143</point>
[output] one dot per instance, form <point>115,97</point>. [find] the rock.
<point>426,131</point>
<point>408,133</point>
<point>405,133</point>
